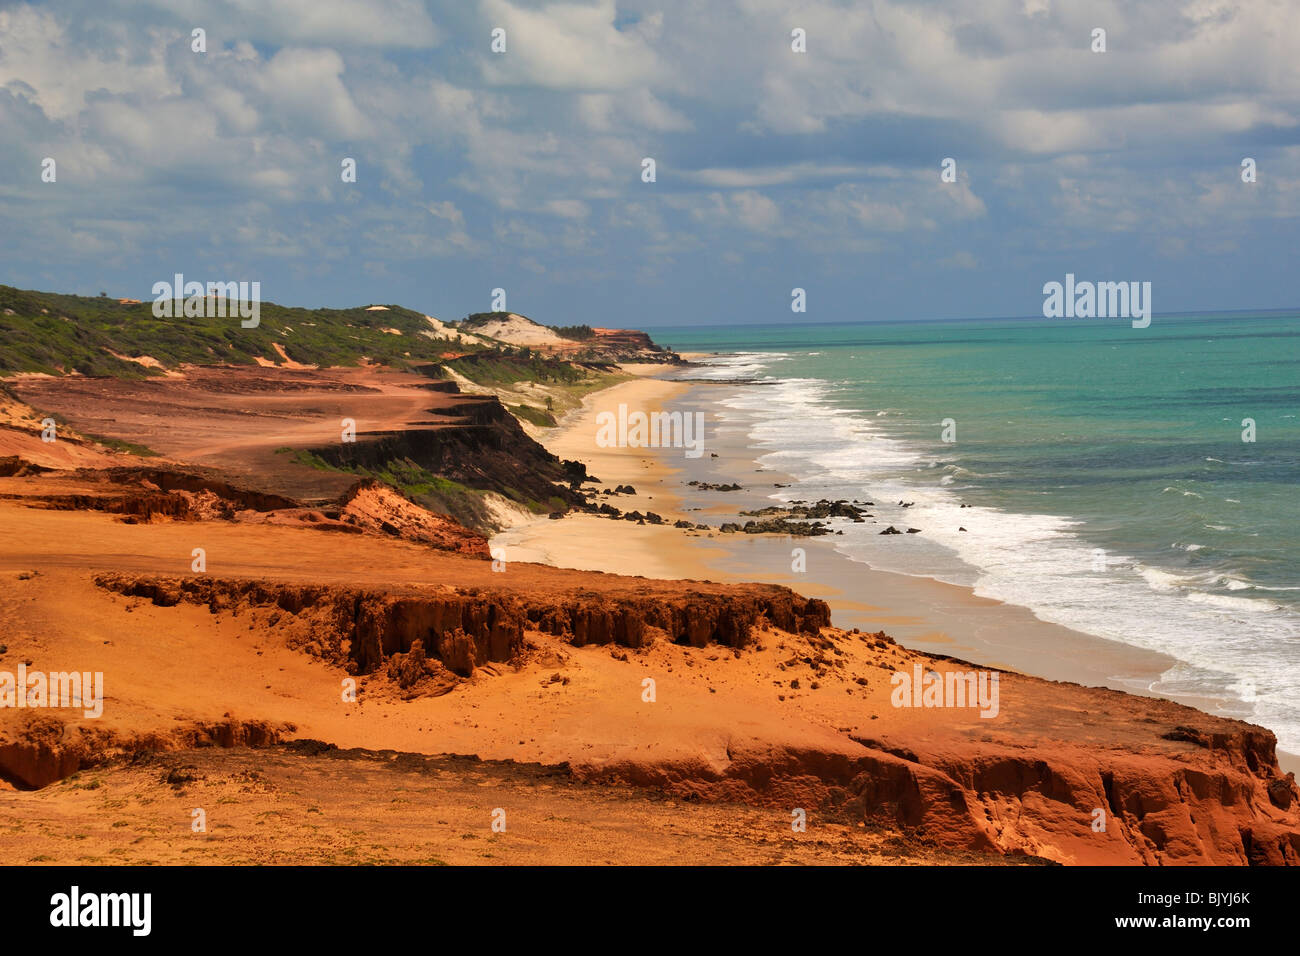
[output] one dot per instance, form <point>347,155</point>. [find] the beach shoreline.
<point>657,682</point>
<point>921,613</point>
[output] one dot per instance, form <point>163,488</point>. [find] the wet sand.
<point>920,613</point>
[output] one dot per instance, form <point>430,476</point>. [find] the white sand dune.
<point>517,330</point>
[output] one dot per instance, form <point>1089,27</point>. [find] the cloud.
<point>630,109</point>
<point>569,46</point>
<point>801,172</point>
<point>530,160</point>
<point>304,89</point>
<point>382,23</point>
<point>567,208</point>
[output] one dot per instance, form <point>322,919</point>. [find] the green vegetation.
<point>595,380</point>
<point>117,444</point>
<point>56,334</point>
<point>416,482</point>
<point>476,319</point>
<point>312,460</point>
<point>422,486</point>
<point>535,416</point>
<point>577,333</point>
<point>53,333</point>
<point>436,493</point>
<point>498,367</point>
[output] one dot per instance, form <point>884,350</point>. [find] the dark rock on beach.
<point>822,509</point>
<point>798,529</point>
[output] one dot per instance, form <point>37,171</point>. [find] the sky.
<point>775,169</point>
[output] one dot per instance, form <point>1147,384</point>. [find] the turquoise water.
<point>1107,483</point>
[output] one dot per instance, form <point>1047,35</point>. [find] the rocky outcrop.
<point>461,630</point>
<point>729,621</point>
<point>42,749</point>
<point>197,482</point>
<point>1052,800</point>
<point>482,447</point>
<point>628,345</point>
<point>1067,773</point>
<point>144,494</point>
<point>143,506</point>
<point>13,466</point>
<point>376,507</point>
<point>798,529</point>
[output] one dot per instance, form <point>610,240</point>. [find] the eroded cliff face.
<point>1069,773</point>
<point>245,427</point>
<point>1049,799</point>
<point>462,629</point>
<point>40,748</point>
<point>481,446</point>
<point>145,495</point>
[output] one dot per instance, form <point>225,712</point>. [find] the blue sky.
<point>775,169</point>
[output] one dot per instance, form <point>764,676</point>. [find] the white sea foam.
<point>1033,560</point>
<point>738,366</point>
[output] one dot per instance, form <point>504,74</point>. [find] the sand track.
<point>244,422</point>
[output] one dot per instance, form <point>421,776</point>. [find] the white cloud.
<point>569,46</point>
<point>305,89</point>
<point>760,149</point>
<point>567,208</point>
<point>392,23</point>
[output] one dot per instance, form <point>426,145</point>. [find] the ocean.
<point>1106,481</point>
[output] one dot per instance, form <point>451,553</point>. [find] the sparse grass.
<point>426,489</point>
<point>494,367</point>
<point>117,444</point>
<point>434,492</point>
<point>536,416</point>
<point>575,333</point>
<point>312,460</point>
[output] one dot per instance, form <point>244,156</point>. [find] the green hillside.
<point>53,333</point>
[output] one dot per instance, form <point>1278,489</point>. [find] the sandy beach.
<point>592,434</point>
<point>591,543</point>
<point>627,660</point>
<point>921,613</point>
